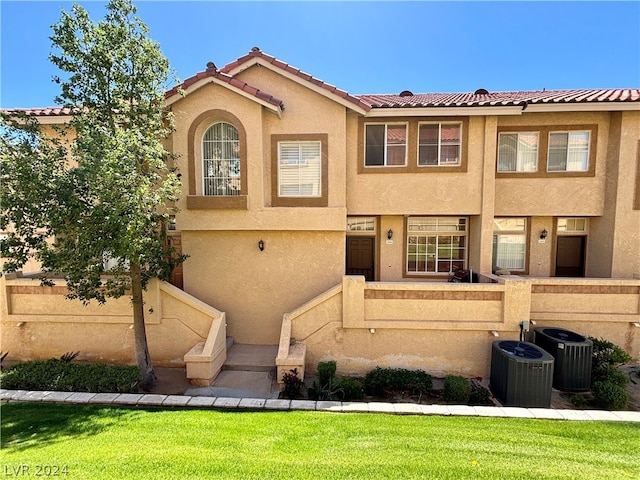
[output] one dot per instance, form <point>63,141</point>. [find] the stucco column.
<point>482,229</point>
<point>353,302</point>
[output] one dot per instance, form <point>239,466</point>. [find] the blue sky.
<point>360,46</point>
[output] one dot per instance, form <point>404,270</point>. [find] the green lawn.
<point>93,442</point>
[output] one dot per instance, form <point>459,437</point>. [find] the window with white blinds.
<point>300,169</point>
<point>518,152</point>
<point>568,152</point>
<point>509,243</point>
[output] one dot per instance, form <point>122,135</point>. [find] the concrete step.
<point>239,384</point>
<point>251,358</point>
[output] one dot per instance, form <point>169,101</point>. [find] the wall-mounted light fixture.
<point>372,330</point>
<point>261,245</point>
<point>494,333</point>
<point>390,234</point>
<point>635,324</point>
<point>543,234</point>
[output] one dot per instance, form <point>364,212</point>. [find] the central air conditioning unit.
<point>521,374</point>
<point>572,353</point>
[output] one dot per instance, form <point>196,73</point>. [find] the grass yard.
<point>93,442</point>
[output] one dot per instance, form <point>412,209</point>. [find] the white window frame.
<point>569,133</point>
<point>301,163</point>
<point>438,230</point>
<point>567,229</point>
<point>458,160</point>
<point>513,236</point>
<point>520,164</point>
<point>386,144</point>
<point>228,182</point>
<point>361,224</point>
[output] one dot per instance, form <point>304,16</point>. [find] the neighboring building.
<point>290,183</point>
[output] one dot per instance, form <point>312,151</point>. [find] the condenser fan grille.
<point>520,349</point>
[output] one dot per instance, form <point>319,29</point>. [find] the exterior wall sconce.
<point>543,234</point>
<point>390,234</point>
<point>261,245</point>
<point>372,330</point>
<point>635,324</point>
<point>494,333</point>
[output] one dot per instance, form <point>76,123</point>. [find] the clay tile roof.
<point>257,53</point>
<point>211,71</point>
<point>500,98</point>
<point>41,112</point>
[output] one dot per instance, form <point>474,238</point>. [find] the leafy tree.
<point>101,187</point>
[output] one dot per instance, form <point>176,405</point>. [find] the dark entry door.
<point>570,257</point>
<point>176,278</point>
<point>360,257</point>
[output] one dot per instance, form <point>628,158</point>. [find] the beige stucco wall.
<point>39,322</point>
<point>447,328</point>
<point>255,288</point>
<point>552,196</point>
<point>428,192</point>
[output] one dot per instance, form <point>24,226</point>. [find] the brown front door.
<point>570,257</point>
<point>175,241</point>
<point>360,257</point>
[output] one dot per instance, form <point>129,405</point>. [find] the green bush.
<point>384,381</point>
<point>579,400</point>
<point>457,389</point>
<point>326,372</point>
<point>349,389</point>
<point>62,375</point>
<point>606,357</point>
<point>610,396</point>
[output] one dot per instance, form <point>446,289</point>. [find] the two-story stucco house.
<point>329,223</point>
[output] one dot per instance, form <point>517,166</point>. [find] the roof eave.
<point>359,107</point>
<point>444,111</point>
<point>277,109</point>
<point>583,107</point>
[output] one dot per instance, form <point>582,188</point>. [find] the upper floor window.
<point>385,145</point>
<point>439,144</point>
<point>221,160</point>
<point>300,169</point>
<point>436,245</point>
<point>568,151</point>
<point>518,152</point>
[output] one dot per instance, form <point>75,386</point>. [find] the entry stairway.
<point>248,372</point>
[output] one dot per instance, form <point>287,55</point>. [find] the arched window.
<point>221,160</point>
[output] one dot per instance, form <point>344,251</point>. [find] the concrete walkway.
<point>175,401</point>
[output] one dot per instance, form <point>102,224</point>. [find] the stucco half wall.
<point>254,287</point>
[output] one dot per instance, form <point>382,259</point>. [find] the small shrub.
<point>350,389</point>
<point>292,385</point>
<point>579,400</point>
<point>457,389</point>
<point>384,381</point>
<point>610,396</point>
<point>479,395</point>
<point>606,356</point>
<point>329,391</point>
<point>326,372</point>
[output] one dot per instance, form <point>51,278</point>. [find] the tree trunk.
<point>147,375</point>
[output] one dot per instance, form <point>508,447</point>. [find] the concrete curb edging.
<point>272,404</point>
